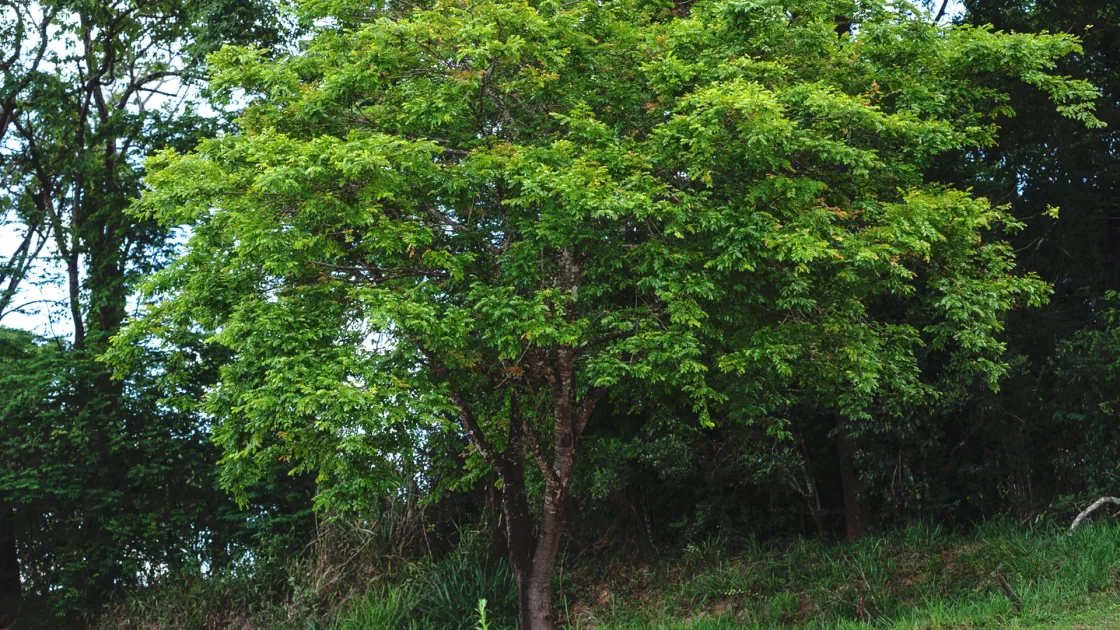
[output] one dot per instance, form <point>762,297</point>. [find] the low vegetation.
<point>919,577</point>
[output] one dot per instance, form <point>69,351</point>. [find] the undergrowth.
<point>918,577</point>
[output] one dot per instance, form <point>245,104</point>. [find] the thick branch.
<point>586,408</point>
<point>941,13</point>
<point>1092,508</point>
<point>538,367</point>
<point>604,338</point>
<point>140,83</point>
<point>517,419</point>
<point>561,382</point>
<point>17,42</point>
<point>466,416</point>
<point>461,228</point>
<point>569,275</point>
<point>18,266</point>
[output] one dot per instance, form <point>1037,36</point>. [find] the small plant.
<point>482,623</point>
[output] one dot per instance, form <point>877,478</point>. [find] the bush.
<point>389,608</point>
<point>453,587</point>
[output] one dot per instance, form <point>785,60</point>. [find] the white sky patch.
<point>41,305</point>
<point>954,10</point>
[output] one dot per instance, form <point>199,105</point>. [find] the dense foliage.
<point>579,275</point>
<point>489,218</point>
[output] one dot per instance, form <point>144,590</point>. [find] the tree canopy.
<point>495,218</point>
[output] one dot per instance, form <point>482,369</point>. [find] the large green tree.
<point>491,218</point>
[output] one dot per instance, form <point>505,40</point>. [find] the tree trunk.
<point>515,509</point>
<point>533,563</point>
<point>10,587</point>
<point>532,567</point>
<point>812,495</point>
<point>544,561</point>
<point>538,612</point>
<point>519,540</point>
<point>856,515</point>
<point>74,287</point>
<point>815,511</point>
<point>812,499</point>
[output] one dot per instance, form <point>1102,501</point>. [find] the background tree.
<point>102,486</point>
<point>1026,448</point>
<point>1055,411</point>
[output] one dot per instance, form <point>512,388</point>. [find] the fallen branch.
<point>1007,590</point>
<point>1089,510</point>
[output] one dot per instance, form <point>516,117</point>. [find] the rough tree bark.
<point>532,554</point>
<point>533,547</point>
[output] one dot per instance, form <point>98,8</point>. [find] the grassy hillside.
<point>917,578</point>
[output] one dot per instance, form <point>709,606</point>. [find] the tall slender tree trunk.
<point>544,560</point>
<point>811,494</point>
<point>857,516</point>
<point>818,519</point>
<point>515,509</point>
<point>74,291</point>
<point>11,590</point>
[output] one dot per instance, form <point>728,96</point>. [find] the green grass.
<point>379,608</point>
<point>917,578</point>
<point>1102,613</point>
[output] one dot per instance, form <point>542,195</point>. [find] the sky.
<point>44,288</point>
